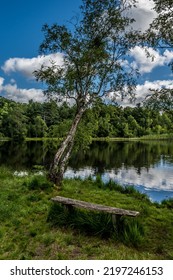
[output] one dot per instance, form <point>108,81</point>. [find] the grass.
<point>32,227</point>
<point>165,136</point>
<point>43,138</point>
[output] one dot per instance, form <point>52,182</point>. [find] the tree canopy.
<point>94,50</point>
<point>160,36</point>
<point>162,25</point>
<point>32,120</point>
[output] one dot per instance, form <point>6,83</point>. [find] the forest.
<point>19,121</point>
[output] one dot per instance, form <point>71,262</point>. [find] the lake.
<point>147,165</point>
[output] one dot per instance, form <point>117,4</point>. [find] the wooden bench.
<point>117,213</point>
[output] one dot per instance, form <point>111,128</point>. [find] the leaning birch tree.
<point>94,49</point>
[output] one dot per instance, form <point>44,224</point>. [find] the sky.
<point>21,22</point>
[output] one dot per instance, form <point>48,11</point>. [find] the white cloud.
<point>168,56</point>
<point>143,90</point>
<point>143,14</point>
<point>145,63</point>
<point>1,82</point>
<point>21,95</point>
<point>27,66</point>
<point>156,179</point>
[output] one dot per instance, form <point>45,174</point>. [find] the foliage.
<point>160,36</point>
<point>12,120</point>
<point>160,100</point>
<point>92,52</point>
<point>19,121</point>
<point>168,203</point>
<point>160,32</point>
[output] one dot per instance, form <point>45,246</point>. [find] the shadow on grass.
<point>127,230</point>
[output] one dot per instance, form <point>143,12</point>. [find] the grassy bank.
<point>145,137</point>
<point>107,139</point>
<point>33,228</point>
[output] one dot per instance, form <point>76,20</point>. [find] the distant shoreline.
<point>107,139</point>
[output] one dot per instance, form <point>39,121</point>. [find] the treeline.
<point>33,120</point>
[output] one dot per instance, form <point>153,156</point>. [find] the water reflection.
<point>147,165</point>
<point>156,182</point>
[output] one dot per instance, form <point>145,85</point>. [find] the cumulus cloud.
<point>143,14</point>
<point>141,92</point>
<point>145,63</point>
<point>21,95</point>
<point>27,66</point>
<point>144,89</point>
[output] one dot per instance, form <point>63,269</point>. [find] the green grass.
<point>165,136</point>
<point>32,227</point>
<point>43,138</point>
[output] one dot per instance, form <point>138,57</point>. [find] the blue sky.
<point>21,22</point>
<point>20,32</point>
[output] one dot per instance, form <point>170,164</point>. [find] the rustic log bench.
<point>117,213</point>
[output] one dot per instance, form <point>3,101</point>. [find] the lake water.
<point>147,165</point>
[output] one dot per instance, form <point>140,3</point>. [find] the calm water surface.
<point>147,165</point>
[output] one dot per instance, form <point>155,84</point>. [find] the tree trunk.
<point>62,156</point>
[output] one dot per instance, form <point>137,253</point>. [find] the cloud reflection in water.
<point>156,182</point>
